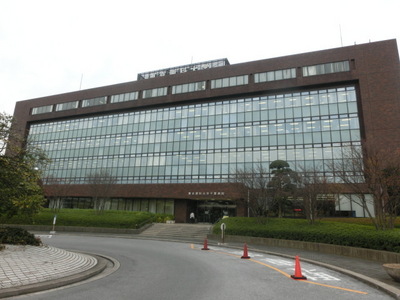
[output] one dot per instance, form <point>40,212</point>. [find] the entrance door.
<point>211,211</point>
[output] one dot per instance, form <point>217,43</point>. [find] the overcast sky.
<point>52,47</point>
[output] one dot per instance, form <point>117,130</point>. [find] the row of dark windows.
<point>232,81</point>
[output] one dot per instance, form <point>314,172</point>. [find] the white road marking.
<point>312,274</point>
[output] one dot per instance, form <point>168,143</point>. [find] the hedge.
<point>328,232</point>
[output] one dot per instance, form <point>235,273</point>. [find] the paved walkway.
<point>26,269</point>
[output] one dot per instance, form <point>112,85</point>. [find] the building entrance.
<point>211,211</point>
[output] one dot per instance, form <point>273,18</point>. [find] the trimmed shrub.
<point>327,232</point>
<point>90,218</point>
<point>18,236</point>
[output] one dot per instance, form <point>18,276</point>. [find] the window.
<point>229,81</point>
<point>157,92</point>
<point>189,87</point>
<point>67,105</point>
<point>336,67</point>
<point>124,97</point>
<point>275,75</point>
<point>42,109</point>
<point>94,101</point>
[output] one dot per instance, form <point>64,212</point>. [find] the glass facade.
<point>162,206</point>
<point>204,143</point>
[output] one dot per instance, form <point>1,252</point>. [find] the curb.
<point>77,229</point>
<point>52,284</point>
<point>362,253</point>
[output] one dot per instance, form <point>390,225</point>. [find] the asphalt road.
<point>167,270</point>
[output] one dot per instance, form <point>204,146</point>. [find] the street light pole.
<point>248,203</point>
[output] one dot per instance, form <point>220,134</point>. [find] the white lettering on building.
<point>206,193</point>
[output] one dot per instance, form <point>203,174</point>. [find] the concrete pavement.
<point>367,271</point>
<point>27,269</point>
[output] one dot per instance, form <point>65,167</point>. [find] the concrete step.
<point>178,231</point>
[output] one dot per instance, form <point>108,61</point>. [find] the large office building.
<point>173,138</point>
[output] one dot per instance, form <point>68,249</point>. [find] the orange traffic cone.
<point>205,247</point>
<point>297,271</point>
<point>245,254</point>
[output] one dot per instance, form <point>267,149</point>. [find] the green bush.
<point>18,236</point>
<point>328,232</point>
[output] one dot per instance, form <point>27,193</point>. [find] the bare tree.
<point>366,171</point>
<point>100,184</point>
<point>313,189</point>
<point>6,122</point>
<point>59,188</point>
<point>253,185</point>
